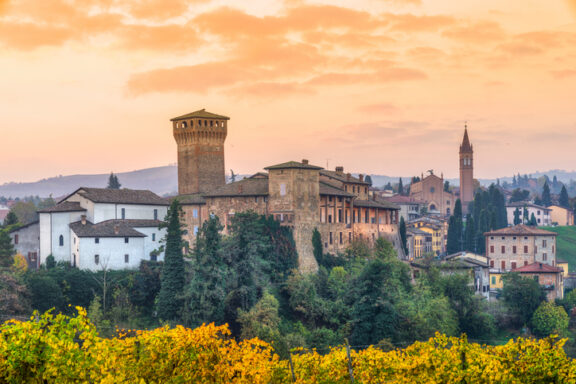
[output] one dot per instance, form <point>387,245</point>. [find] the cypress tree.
<point>402,231</point>
<point>170,297</point>
<point>400,187</point>
<point>7,251</point>
<point>455,230</point>
<point>525,217</point>
<point>470,238</point>
<point>317,248</point>
<point>517,214</point>
<point>113,182</point>
<point>546,199</point>
<point>533,221</point>
<point>564,200</point>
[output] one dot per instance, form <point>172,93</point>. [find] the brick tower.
<point>200,138</point>
<point>466,171</point>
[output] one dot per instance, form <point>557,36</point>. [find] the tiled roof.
<point>203,114</point>
<point>521,230</point>
<point>291,165</point>
<point>244,187</point>
<point>417,231</point>
<point>108,228</point>
<point>343,177</point>
<point>538,268</point>
<point>328,189</point>
<point>121,196</point>
<point>375,204</point>
<point>521,204</point>
<point>64,206</point>
<point>194,198</point>
<point>400,199</point>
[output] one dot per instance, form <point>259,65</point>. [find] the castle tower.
<point>466,171</point>
<point>200,138</point>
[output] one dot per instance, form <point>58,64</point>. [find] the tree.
<point>10,219</point>
<point>519,195</point>
<point>522,295</point>
<point>549,318</point>
<point>455,230</point>
<point>113,182</point>
<point>403,238</point>
<point>400,187</point>
<point>446,186</point>
<point>7,250</point>
<point>470,235</point>
<point>564,200</point>
<point>533,222</point>
<point>317,248</point>
<point>25,211</point>
<point>546,199</point>
<point>50,262</point>
<point>517,214</point>
<point>525,216</point>
<point>368,179</point>
<point>170,298</point>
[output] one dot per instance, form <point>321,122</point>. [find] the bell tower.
<point>200,138</point>
<point>466,171</point>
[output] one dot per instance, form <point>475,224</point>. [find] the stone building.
<point>550,278</point>
<point>26,240</point>
<point>430,192</point>
<point>297,194</point>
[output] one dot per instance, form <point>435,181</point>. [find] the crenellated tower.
<point>466,171</point>
<point>200,138</point>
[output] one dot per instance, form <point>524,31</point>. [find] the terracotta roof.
<point>417,231</point>
<point>521,230</point>
<point>203,114</point>
<point>64,206</point>
<point>105,229</point>
<point>375,204</point>
<point>465,146</point>
<point>244,187</point>
<point>120,196</point>
<point>329,189</point>
<point>343,177</point>
<point>293,164</point>
<point>259,175</point>
<point>521,204</point>
<point>194,198</point>
<point>538,268</point>
<point>399,199</point>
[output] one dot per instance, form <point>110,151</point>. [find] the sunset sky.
<point>383,87</point>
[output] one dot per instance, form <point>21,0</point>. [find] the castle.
<point>297,194</point>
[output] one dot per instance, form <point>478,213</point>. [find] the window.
<point>525,262</point>
<point>340,237</point>
<point>349,237</point>
<point>195,230</point>
<point>339,215</point>
<point>493,280</point>
<point>153,257</point>
<point>366,215</point>
<point>525,249</point>
<point>329,198</point>
<point>96,259</point>
<point>513,249</point>
<point>491,263</point>
<point>155,214</point>
<point>283,190</point>
<point>126,258</point>
<point>126,239</point>
<point>503,249</point>
<point>503,264</point>
<point>545,256</point>
<point>15,239</point>
<point>96,240</point>
<point>552,249</point>
<point>513,265</point>
<point>123,213</point>
<point>195,213</point>
<point>544,244</point>
<point>153,237</point>
<point>61,240</point>
<point>256,199</point>
<point>330,237</point>
<point>329,218</point>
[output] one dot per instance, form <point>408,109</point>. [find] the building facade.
<point>430,192</point>
<point>560,215</point>
<point>526,209</point>
<point>26,240</point>
<point>409,207</point>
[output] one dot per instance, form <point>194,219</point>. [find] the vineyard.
<point>61,349</point>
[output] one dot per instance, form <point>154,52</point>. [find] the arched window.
<point>96,259</point>
<point>61,241</point>
<point>184,124</point>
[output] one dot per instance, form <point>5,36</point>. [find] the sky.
<point>376,86</point>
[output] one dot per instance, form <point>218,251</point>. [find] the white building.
<point>542,214</point>
<point>95,228</point>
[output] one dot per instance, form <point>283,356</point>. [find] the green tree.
<point>170,297</point>
<point>519,195</point>
<point>455,230</point>
<point>533,222</point>
<point>262,320</point>
<point>317,248</point>
<point>446,186</point>
<point>517,214</point>
<point>522,295</point>
<point>25,211</point>
<point>549,318</point>
<point>564,200</point>
<point>400,187</point>
<point>49,202</point>
<point>113,182</point>
<point>7,250</point>
<point>45,293</point>
<point>525,216</point>
<point>546,199</point>
<point>10,219</point>
<point>403,238</point>
<point>50,262</point>
<point>368,180</point>
<point>470,235</point>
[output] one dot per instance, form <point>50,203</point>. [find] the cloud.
<point>414,23</point>
<point>383,76</point>
<point>477,32</point>
<point>271,90</point>
<point>27,36</point>
<point>383,108</point>
<point>563,74</point>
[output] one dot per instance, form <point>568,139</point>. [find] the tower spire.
<point>465,146</point>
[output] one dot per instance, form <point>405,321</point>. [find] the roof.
<point>244,187</point>
<point>538,268</point>
<point>400,199</point>
<point>293,164</point>
<point>417,231</point>
<point>19,227</point>
<point>193,198</point>
<point>375,204</point>
<point>465,146</point>
<point>521,204</point>
<point>203,114</point>
<point>343,177</point>
<point>521,230</point>
<point>120,196</point>
<point>328,189</point>
<point>125,228</point>
<point>64,206</point>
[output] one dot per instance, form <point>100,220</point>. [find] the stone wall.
<point>536,250</point>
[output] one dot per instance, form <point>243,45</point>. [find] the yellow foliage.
<point>57,348</point>
<point>20,265</point>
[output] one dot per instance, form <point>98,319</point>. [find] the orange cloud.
<point>384,108</point>
<point>271,90</point>
<point>413,23</point>
<point>563,74</point>
<point>478,32</point>
<point>29,36</point>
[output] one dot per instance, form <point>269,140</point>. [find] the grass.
<point>566,244</point>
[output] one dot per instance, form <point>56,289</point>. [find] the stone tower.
<point>466,171</point>
<point>200,138</point>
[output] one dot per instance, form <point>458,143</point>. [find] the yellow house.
<point>419,243</point>
<point>564,265</point>
<point>496,280</point>
<point>561,215</point>
<point>437,237</point>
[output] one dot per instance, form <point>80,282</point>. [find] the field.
<point>566,244</point>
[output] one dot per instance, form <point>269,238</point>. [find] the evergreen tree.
<point>368,179</point>
<point>10,219</point>
<point>7,250</point>
<point>546,199</point>
<point>455,230</point>
<point>533,222</point>
<point>555,183</point>
<point>170,297</point>
<point>564,200</point>
<point>113,182</point>
<point>400,187</point>
<point>514,184</point>
<point>317,248</point>
<point>517,214</point>
<point>446,186</point>
<point>403,239</point>
<point>470,235</point>
<point>525,217</point>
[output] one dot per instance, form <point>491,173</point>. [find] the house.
<point>409,207</point>
<point>527,209</point>
<point>419,243</point>
<point>26,240</point>
<point>550,278</point>
<point>96,228</point>
<point>437,227</point>
<point>561,216</point>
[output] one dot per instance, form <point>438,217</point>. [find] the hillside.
<point>566,243</point>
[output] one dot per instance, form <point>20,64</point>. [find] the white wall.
<point>45,237</point>
<point>111,251</point>
<point>542,216</point>
<point>149,244</point>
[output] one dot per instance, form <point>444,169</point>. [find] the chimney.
<point>83,219</point>
<point>340,169</point>
<point>361,177</point>
<point>116,229</point>
<point>305,161</point>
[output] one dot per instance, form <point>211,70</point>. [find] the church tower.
<point>200,138</point>
<point>466,171</point>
